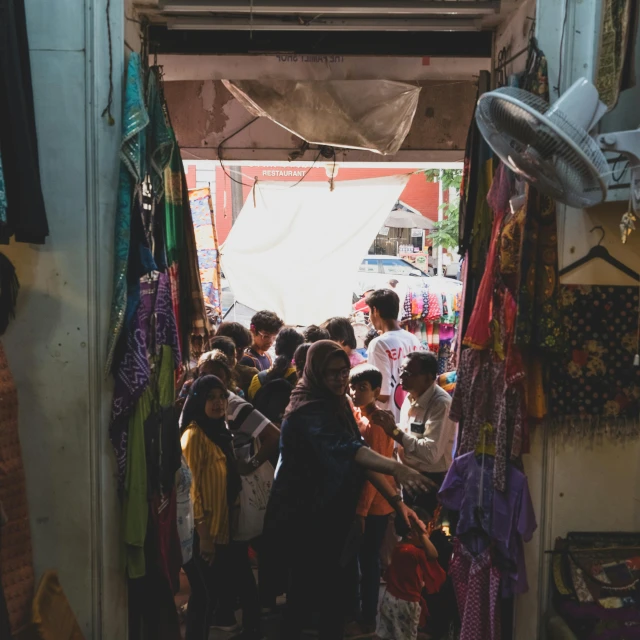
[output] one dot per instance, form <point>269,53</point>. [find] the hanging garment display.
<point>489,517</point>
<point>26,217</point>
<point>477,585</point>
<point>478,332</point>
<point>157,308</point>
<point>483,397</point>
<point>208,254</point>
<point>132,154</point>
<point>616,57</point>
<point>594,383</point>
<point>16,567</point>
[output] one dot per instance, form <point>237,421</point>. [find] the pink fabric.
<point>477,585</point>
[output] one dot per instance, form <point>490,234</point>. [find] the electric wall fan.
<point>551,146</point>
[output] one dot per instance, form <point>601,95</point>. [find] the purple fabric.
<point>624,624</point>
<point>508,517</point>
<point>153,326</point>
<point>476,582</point>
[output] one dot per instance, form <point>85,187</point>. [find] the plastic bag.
<point>254,497</point>
<point>373,115</point>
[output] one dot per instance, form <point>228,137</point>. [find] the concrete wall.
<point>56,344</point>
<point>204,114</point>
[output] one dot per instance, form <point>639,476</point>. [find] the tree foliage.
<point>445,232</point>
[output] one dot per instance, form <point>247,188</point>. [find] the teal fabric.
<point>160,136</point>
<point>132,172</point>
<point>3,197</point>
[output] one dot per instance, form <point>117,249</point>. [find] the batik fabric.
<point>595,387</point>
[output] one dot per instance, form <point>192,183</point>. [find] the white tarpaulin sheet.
<point>298,250</point>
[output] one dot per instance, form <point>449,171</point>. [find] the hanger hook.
<point>602,232</point>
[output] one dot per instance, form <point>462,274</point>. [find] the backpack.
<point>273,397</point>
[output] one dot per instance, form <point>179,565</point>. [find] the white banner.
<point>298,250</point>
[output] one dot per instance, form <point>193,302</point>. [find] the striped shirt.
<point>209,487</point>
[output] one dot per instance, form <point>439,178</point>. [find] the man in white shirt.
<point>425,433</point>
<point>387,351</point>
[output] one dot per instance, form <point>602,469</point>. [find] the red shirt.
<point>410,571</point>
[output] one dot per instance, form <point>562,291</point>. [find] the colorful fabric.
<point>595,387</point>
<point>142,344</point>
<point>538,322</point>
<point>207,243</point>
<point>477,585</point>
<point>16,564</point>
<point>398,618</point>
<point>482,397</point>
<point>3,197</point>
<point>506,517</point>
<point>132,171</point>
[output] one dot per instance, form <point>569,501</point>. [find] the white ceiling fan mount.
<point>551,147</point>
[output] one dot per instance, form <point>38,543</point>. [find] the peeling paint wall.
<point>205,114</point>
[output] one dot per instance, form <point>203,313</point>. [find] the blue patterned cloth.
<point>3,197</point>
<point>132,171</point>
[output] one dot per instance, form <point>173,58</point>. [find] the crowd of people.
<point>336,459</point>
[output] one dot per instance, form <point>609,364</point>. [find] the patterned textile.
<point>3,197</point>
<point>397,619</point>
<point>538,321</point>
<point>153,327</point>
<point>160,139</point>
<point>207,243</point>
<point>16,568</point>
<point>132,158</point>
<point>616,54</point>
<point>477,585</point>
<point>181,248</point>
<point>482,397</point>
<point>478,332</point>
<point>507,518</point>
<point>595,389</point>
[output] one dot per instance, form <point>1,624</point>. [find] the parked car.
<point>375,272</point>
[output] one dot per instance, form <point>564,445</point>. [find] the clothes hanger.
<point>601,252</point>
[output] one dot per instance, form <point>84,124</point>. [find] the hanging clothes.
<point>16,565</point>
<point>26,217</point>
<point>505,518</point>
<point>483,397</point>
<point>132,171</point>
<point>478,332</point>
<point>153,329</point>
<point>477,585</point>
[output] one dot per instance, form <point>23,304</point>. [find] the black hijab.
<point>214,428</point>
<point>312,389</point>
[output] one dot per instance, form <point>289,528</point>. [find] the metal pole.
<point>440,219</point>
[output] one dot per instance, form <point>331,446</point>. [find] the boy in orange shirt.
<point>373,510</point>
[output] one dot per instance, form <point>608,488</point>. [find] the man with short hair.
<point>426,433</point>
<point>264,328</point>
<point>387,351</point>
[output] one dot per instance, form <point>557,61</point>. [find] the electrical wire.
<point>220,158</point>
<point>564,27</point>
<point>613,170</point>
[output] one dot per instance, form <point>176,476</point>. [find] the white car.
<point>375,272</point>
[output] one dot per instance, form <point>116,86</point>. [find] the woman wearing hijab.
<point>324,463</point>
<point>207,445</point>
